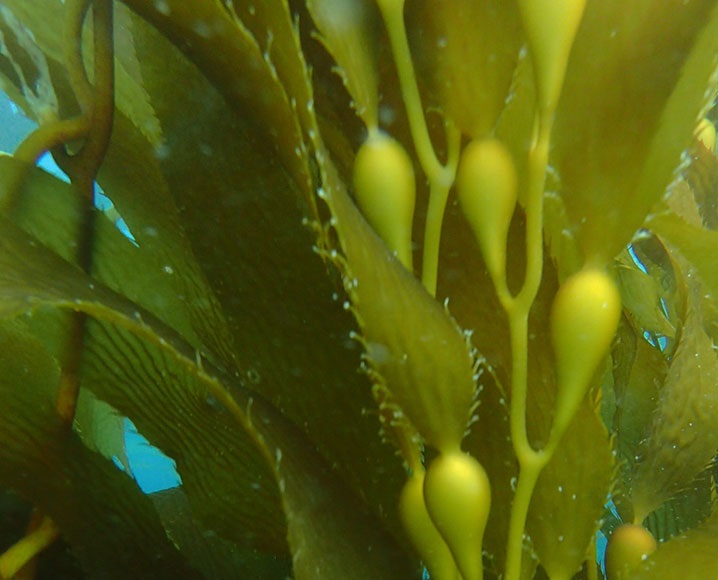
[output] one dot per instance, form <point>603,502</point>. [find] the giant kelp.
<point>359,372</point>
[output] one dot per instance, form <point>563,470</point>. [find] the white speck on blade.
<point>203,29</point>
<point>162,7</point>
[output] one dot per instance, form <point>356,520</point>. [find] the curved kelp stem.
<point>549,47</point>
<point>94,126</point>
<point>531,461</point>
<point>16,560</point>
<point>82,169</point>
<point>440,176</point>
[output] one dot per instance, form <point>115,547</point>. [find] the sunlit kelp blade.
<point>419,353</point>
<point>331,531</point>
<point>101,428</point>
<point>349,30</point>
<point>568,502</point>
<point>231,489</point>
<point>156,275</point>
<point>469,51</point>
<point>183,301</point>
<point>171,283</point>
<point>141,220</point>
<point>628,111</point>
<point>696,244</point>
<point>684,435</point>
<point>692,555</point>
<point>112,527</point>
<point>702,176</point>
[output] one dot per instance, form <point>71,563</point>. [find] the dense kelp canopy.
<point>310,317</point>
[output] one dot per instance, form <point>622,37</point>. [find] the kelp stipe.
<point>412,284</point>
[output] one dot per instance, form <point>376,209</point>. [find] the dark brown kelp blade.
<point>112,527</point>
<point>321,512</point>
<point>159,295</point>
<point>220,190</point>
<point>211,554</point>
<point>119,370</point>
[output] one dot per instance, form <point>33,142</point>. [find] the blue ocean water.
<point>152,470</point>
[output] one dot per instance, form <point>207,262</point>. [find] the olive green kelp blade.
<point>570,494</point>
<point>683,437</point>
<point>349,30</point>
<point>321,512</point>
<point>229,56</point>
<point>420,355</point>
<point>469,50</point>
<point>240,213</point>
<point>111,525</point>
<point>275,31</point>
<point>637,383</point>
<point>633,92</point>
<point>696,244</point>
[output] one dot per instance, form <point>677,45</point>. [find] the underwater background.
<point>358,289</point>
